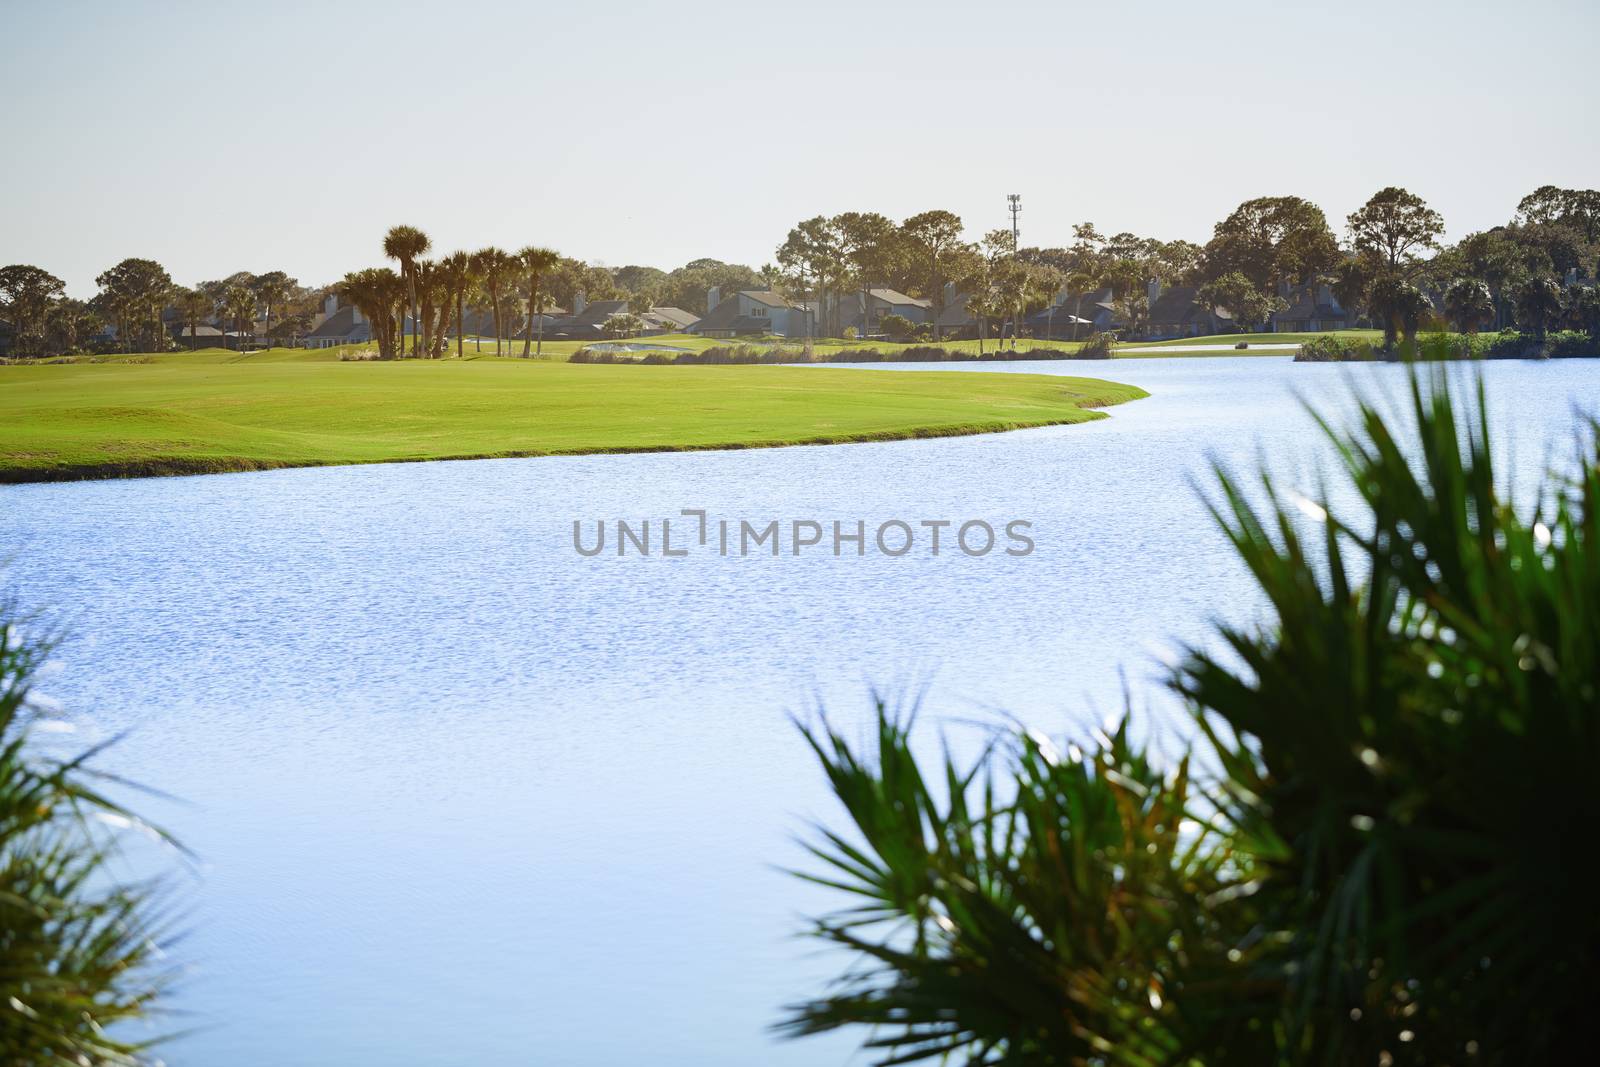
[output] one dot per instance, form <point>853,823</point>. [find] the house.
<point>1175,313</point>
<point>587,321</point>
<point>752,312</point>
<point>1074,316</point>
<point>865,311</point>
<point>339,326</point>
<point>1312,313</point>
<point>668,320</point>
<point>955,322</point>
<point>201,336</point>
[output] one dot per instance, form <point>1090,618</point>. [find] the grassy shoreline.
<point>114,420</point>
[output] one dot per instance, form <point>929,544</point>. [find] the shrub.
<point>1572,344</point>
<point>1331,349</point>
<point>1385,865</point>
<point>1098,346</point>
<point>898,328</point>
<point>79,947</point>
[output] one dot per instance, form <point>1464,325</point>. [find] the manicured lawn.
<point>183,414</point>
<point>1227,340</point>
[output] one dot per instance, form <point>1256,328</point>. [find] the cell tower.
<point>1016,209</point>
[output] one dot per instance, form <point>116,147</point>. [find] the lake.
<point>460,794</point>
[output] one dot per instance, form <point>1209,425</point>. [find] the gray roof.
<point>670,316</point>
<point>597,313</point>
<point>764,296</point>
<point>341,323</point>
<point>725,316</point>
<point>1176,306</point>
<point>894,296</point>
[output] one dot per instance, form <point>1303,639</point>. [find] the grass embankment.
<point>1215,345</point>
<point>173,417</point>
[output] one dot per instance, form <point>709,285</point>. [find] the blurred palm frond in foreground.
<point>1386,861</point>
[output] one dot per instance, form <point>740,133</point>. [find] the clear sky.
<point>217,137</point>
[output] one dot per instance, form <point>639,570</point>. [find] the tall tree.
<point>240,302</point>
<point>497,269</point>
<point>933,234</point>
<point>406,244</point>
<point>865,238</point>
<point>537,263</point>
<point>195,307</point>
<point>1395,224</point>
<point>456,272</point>
<point>135,291</point>
<point>26,293</point>
<point>1240,297</point>
<point>1275,241</point>
<point>813,255</point>
<point>272,289</point>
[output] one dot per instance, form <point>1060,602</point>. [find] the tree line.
<point>1389,267</point>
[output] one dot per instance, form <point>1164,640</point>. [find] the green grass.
<point>563,350</point>
<point>182,414</point>
<point>1228,340</point>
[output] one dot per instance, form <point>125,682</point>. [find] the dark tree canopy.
<point>1273,241</point>
<point>1395,224</point>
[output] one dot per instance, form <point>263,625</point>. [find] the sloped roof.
<point>764,296</point>
<point>596,313</point>
<point>894,296</point>
<point>725,316</point>
<point>671,316</point>
<point>955,312</point>
<point>341,323</point>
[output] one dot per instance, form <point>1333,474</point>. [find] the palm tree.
<point>377,293</point>
<point>456,272</point>
<point>241,307</point>
<point>81,948</point>
<point>196,307</point>
<point>1469,304</point>
<point>624,325</point>
<point>538,262</point>
<point>1538,303</point>
<point>1365,864</point>
<point>1080,281</point>
<point>406,244</point>
<point>272,289</point>
<point>497,268</point>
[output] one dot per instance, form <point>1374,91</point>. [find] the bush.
<point>898,328</point>
<point>1331,349</point>
<point>1098,346</point>
<point>79,947</point>
<point>1572,344</point>
<point>1385,863</point>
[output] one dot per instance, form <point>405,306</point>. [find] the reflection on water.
<point>463,795</point>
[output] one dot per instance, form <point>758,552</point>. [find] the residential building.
<point>1174,312</point>
<point>752,312</point>
<point>339,326</point>
<point>865,311</point>
<point>1312,313</point>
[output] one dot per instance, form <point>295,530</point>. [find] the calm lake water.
<point>460,795</point>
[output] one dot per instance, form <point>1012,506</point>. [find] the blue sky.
<point>216,137</point>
